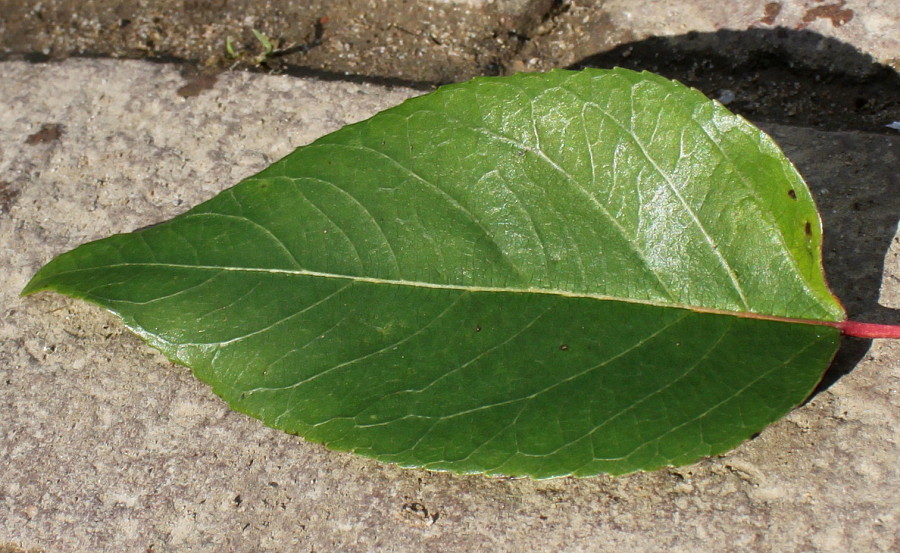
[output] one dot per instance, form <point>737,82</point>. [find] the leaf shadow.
<point>827,105</point>
<point>778,75</point>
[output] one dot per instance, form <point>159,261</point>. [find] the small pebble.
<point>725,96</point>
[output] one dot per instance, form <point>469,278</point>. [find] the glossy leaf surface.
<point>544,274</point>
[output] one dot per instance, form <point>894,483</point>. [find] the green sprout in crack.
<point>229,48</point>
<point>266,43</point>
<point>267,46</point>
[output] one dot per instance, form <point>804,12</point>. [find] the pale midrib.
<point>459,287</point>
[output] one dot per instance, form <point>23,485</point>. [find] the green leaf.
<point>543,274</point>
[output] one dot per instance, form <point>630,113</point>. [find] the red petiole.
<point>867,330</point>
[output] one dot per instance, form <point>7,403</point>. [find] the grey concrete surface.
<point>869,25</point>
<point>104,446</point>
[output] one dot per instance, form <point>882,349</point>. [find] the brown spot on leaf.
<point>808,228</point>
<point>197,85</point>
<point>792,194</point>
<point>772,9</point>
<point>48,133</point>
<point>7,196</point>
<point>834,12</point>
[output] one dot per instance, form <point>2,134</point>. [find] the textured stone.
<point>587,27</point>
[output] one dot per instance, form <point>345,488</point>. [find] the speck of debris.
<point>48,133</point>
<point>772,9</point>
<point>416,514</point>
<point>834,12</point>
<point>197,85</point>
<point>7,197</point>
<point>726,96</point>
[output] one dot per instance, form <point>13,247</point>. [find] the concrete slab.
<point>107,447</point>
<point>586,27</point>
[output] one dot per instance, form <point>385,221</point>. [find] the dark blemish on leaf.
<point>197,85</point>
<point>564,347</point>
<point>7,197</point>
<point>808,228</point>
<point>772,9</point>
<point>477,328</point>
<point>792,194</point>
<point>48,133</point>
<point>834,12</point>
<point>522,152</point>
